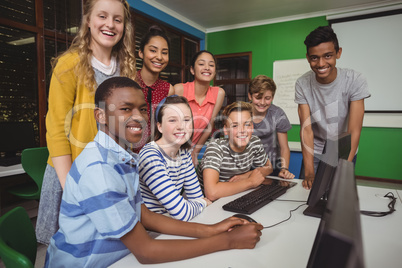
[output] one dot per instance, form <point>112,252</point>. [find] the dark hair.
<point>260,84</point>
<point>195,57</point>
<point>320,35</point>
<point>153,31</point>
<point>105,89</point>
<point>238,106</point>
<point>160,112</point>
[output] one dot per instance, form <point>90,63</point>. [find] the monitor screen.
<point>335,148</point>
<point>338,242</point>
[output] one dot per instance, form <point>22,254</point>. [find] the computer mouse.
<point>244,217</point>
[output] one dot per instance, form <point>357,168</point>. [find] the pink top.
<point>201,113</point>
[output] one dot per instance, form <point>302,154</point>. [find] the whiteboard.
<point>373,47</point>
<point>286,72</point>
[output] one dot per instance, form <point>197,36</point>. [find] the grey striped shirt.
<point>222,158</point>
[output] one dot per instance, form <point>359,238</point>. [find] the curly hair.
<point>123,50</point>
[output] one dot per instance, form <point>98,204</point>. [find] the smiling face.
<point>204,68</point>
<point>322,59</point>
<point>176,126</point>
<point>261,102</point>
<point>155,55</point>
<point>106,24</point>
<point>124,117</point>
<point>239,128</point>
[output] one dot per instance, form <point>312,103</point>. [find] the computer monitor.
<point>15,137</point>
<point>334,149</point>
<point>338,242</point>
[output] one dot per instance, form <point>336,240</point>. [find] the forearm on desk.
<point>307,140</point>
<point>215,189</point>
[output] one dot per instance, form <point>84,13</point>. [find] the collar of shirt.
<point>107,142</point>
<point>143,85</point>
<point>209,98</point>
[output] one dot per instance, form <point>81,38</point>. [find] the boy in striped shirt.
<point>238,162</point>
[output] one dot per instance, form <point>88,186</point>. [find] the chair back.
<point>17,239</point>
<point>34,161</point>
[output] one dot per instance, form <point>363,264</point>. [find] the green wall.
<point>379,148</point>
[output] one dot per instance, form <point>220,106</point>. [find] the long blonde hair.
<point>123,50</point>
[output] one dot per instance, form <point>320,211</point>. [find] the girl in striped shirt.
<point>169,183</point>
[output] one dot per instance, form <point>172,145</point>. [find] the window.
<point>18,76</point>
<point>233,74</point>
<point>31,33</point>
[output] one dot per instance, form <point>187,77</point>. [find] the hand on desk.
<point>286,174</point>
<point>209,202</point>
<point>308,182</point>
<point>255,177</point>
<point>245,236</point>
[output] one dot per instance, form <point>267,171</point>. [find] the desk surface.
<point>11,170</point>
<point>289,244</point>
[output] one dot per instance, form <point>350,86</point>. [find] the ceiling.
<point>209,15</point>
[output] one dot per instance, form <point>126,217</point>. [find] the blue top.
<point>101,203</point>
<point>162,180</point>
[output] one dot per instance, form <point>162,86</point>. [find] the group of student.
<point>124,144</point>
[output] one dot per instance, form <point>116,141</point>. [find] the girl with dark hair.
<point>205,101</point>
<point>166,167</point>
<point>154,52</point>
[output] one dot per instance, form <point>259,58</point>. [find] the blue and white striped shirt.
<point>163,178</point>
<point>101,203</point>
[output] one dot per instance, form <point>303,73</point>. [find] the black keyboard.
<point>256,199</point>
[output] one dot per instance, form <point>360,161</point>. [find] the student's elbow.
<point>211,194</point>
<point>146,254</point>
<point>146,258</point>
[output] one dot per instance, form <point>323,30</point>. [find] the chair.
<point>17,239</point>
<point>295,163</point>
<point>34,161</point>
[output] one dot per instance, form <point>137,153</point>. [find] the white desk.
<point>289,244</point>
<point>11,170</point>
<point>399,192</point>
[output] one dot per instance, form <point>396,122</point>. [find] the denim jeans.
<point>47,223</point>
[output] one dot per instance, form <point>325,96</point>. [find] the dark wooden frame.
<point>235,81</point>
<point>238,81</point>
<point>40,34</point>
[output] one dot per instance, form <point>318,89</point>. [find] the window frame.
<point>221,83</point>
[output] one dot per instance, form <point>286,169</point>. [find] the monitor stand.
<point>317,210</point>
